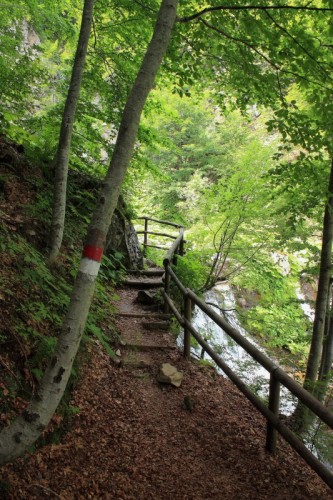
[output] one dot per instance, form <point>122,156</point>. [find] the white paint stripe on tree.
<point>89,266</point>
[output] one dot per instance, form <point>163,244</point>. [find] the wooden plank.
<point>289,436</point>
<point>274,406</point>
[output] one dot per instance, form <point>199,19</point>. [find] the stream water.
<point>251,372</point>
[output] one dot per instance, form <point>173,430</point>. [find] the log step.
<point>144,315</point>
<point>156,325</point>
<point>137,359</point>
<point>144,283</point>
<point>129,363</point>
<point>147,272</point>
<point>148,347</point>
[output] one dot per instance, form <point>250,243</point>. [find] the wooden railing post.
<point>181,247</point>
<point>145,237</point>
<point>166,286</point>
<point>187,333</point>
<point>174,258</point>
<point>274,406</point>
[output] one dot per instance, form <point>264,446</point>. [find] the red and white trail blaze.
<point>91,260</point>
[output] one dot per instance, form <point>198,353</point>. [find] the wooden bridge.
<point>278,376</point>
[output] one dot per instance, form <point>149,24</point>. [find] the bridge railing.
<point>278,376</point>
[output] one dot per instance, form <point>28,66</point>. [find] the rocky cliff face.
<point>122,237</point>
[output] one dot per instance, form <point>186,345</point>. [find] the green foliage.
<point>206,362</point>
<point>38,42</point>
<point>112,269</point>
<point>156,256</point>
<point>101,336</point>
<point>277,318</point>
<point>45,347</point>
<point>34,297</point>
<point>192,270</point>
<point>27,29</point>
<point>215,176</point>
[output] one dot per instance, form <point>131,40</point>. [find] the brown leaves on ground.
<point>134,439</point>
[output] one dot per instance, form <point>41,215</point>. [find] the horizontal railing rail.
<point>177,246</point>
<point>278,376</point>
<point>164,222</point>
<point>155,233</point>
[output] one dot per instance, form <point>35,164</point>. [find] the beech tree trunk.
<point>24,431</point>
<point>65,137</point>
<point>302,415</point>
<point>323,292</point>
<point>327,357</point>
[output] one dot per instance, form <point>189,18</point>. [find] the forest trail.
<point>133,438</point>
<point>144,330</point>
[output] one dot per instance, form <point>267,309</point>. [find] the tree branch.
<point>275,66</point>
<point>286,32</point>
<point>252,7</point>
<point>239,267</point>
<point>145,7</point>
<point>240,40</point>
<point>220,308</point>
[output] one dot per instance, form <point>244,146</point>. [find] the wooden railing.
<point>277,375</point>
<point>176,248</point>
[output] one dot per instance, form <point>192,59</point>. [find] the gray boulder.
<point>168,374</point>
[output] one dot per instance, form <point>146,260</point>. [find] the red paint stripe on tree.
<point>93,253</point>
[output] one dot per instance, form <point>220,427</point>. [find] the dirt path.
<point>134,439</point>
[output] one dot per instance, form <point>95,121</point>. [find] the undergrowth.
<point>34,298</point>
<point>277,317</point>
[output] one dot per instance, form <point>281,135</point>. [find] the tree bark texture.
<point>66,131</point>
<point>24,431</point>
<point>303,416</point>
<point>326,358</point>
<point>325,273</point>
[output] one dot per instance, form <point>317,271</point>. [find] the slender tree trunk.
<point>24,431</point>
<point>66,130</point>
<point>323,292</point>
<point>326,359</point>
<point>302,416</point>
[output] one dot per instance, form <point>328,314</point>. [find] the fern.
<point>101,336</point>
